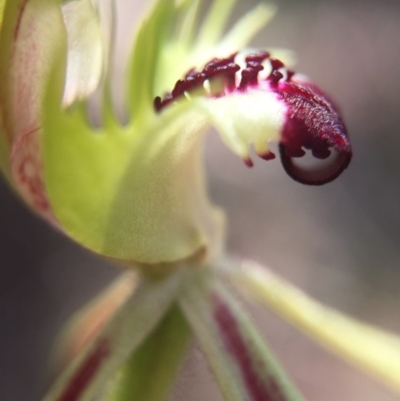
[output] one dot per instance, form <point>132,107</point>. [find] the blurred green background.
<point>340,242</point>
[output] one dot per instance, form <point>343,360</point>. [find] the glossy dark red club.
<point>312,122</point>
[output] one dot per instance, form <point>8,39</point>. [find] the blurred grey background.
<point>339,242</point>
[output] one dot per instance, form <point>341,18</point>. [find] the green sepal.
<point>373,350</point>
<point>151,370</point>
<point>87,375</point>
<point>239,357</point>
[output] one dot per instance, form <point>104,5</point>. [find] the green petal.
<point>373,350</point>
<point>30,35</point>
<point>243,365</point>
<point>152,369</point>
<point>126,331</point>
<point>33,35</point>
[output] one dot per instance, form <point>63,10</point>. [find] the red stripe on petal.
<point>86,372</point>
<point>27,171</point>
<point>258,387</point>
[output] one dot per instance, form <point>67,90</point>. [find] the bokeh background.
<point>340,242</point>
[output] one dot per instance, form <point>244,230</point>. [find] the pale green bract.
<point>136,193</point>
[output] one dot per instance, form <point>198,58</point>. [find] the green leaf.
<point>375,351</point>
<point>126,331</point>
<point>151,370</point>
<point>241,361</point>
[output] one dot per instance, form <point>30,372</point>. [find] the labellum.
<point>310,122</point>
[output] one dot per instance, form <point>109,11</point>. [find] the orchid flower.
<point>136,194</point>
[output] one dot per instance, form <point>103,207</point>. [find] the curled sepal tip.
<point>252,97</point>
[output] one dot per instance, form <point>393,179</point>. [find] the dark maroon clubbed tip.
<point>312,123</point>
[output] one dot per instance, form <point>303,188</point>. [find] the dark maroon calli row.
<point>312,121</point>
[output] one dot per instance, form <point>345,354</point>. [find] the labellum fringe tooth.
<point>310,122</point>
